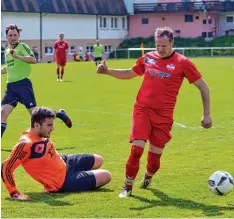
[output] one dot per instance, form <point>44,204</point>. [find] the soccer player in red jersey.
<point>164,71</point>
<point>57,173</point>
<point>61,55</point>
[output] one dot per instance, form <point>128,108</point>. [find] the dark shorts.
<point>20,91</point>
<point>79,177</point>
<point>98,59</point>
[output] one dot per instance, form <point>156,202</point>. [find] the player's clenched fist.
<point>12,52</point>
<point>102,68</point>
<point>206,122</point>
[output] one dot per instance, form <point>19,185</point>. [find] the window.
<point>204,34</point>
<point>116,22</point>
<point>229,19</point>
<point>108,48</point>
<point>188,18</point>
<point>197,17</point>
<point>89,48</point>
<point>123,22</point>
<point>210,21</point>
<point>103,22</point>
<point>49,50</point>
<point>72,49</point>
<point>204,21</point>
<point>112,22</point>
<point>145,20</point>
<point>210,34</point>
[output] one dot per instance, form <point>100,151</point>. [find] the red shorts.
<point>149,125</point>
<point>61,62</point>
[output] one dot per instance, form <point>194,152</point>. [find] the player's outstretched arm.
<point>3,70</point>
<point>205,96</point>
<point>16,157</point>
<point>116,73</point>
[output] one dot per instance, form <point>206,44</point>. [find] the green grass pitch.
<point>100,107</point>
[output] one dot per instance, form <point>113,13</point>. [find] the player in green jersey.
<point>98,52</point>
<point>18,57</point>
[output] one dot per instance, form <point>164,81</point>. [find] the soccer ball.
<point>220,183</point>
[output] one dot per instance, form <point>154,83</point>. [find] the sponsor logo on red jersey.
<point>170,67</point>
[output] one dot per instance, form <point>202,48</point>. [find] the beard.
<point>44,135</point>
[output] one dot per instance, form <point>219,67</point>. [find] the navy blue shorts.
<point>97,59</point>
<point>79,177</point>
<point>20,91</point>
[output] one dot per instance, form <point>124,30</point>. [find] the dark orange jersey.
<point>39,158</point>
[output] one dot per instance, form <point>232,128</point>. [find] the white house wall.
<point>29,22</point>
<point>73,26</point>
<point>113,33</point>
<point>224,25</point>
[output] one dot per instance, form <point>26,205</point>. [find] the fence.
<point>129,53</point>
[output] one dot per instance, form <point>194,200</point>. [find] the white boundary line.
<point>121,114</point>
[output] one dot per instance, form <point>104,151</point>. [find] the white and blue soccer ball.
<point>220,183</point>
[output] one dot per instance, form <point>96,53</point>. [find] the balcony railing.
<point>210,6</point>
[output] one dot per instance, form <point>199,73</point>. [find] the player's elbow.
<point>131,74</point>
<point>2,172</point>
<point>201,84</point>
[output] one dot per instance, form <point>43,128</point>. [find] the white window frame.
<point>108,48</point>
<point>72,50</point>
<point>89,48</point>
<point>114,23</point>
<point>49,53</point>
<point>101,22</point>
<point>124,22</point>
<point>230,17</point>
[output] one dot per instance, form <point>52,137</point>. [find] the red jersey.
<point>163,78</point>
<point>40,160</point>
<point>61,49</point>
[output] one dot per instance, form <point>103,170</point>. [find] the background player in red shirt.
<point>61,55</point>
<point>163,71</point>
<point>57,173</point>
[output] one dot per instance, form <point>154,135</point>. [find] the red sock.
<point>132,165</point>
<point>153,164</point>
<point>58,72</point>
<point>62,72</point>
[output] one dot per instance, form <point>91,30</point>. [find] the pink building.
<point>183,24</point>
<point>191,19</point>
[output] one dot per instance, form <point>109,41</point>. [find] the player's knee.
<point>153,162</point>
<point>140,143</point>
<point>156,149</point>
<point>137,151</point>
<point>4,114</point>
<point>102,177</point>
<point>98,160</point>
